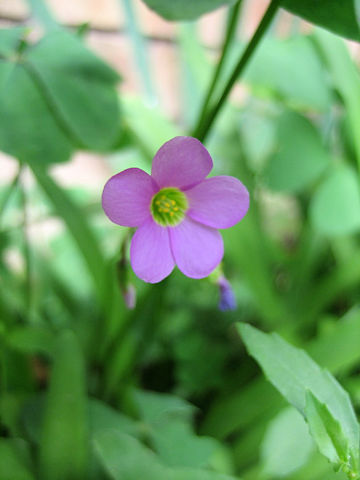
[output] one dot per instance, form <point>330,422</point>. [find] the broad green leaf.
<point>10,39</point>
<point>301,156</point>
<point>155,408</point>
<point>287,444</point>
<point>104,417</point>
<point>335,206</point>
<point>339,16</point>
<point>15,461</point>
<point>64,440</point>
<point>345,78</point>
<point>178,446</point>
<point>326,349</point>
<point>185,9</point>
<point>169,421</point>
<point>297,57</point>
<point>125,458</point>
<point>80,88</point>
<point>28,130</point>
<point>326,431</point>
<point>293,372</point>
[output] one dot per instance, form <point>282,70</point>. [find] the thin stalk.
<point>229,36</point>
<point>26,249</point>
<point>269,15</point>
<point>40,10</point>
<point>140,51</point>
<point>9,192</point>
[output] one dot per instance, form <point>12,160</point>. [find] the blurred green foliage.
<point>89,389</point>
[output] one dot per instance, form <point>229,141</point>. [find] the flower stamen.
<point>168,206</point>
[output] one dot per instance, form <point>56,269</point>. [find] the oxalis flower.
<point>177,211</point>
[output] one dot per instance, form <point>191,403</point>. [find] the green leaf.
<point>64,440</point>
<point>28,129</point>
<point>301,157</point>
<point>335,206</point>
<point>340,17</point>
<point>293,372</point>
<point>125,458</point>
<point>77,225</point>
<point>155,408</point>
<point>345,78</point>
<point>326,431</point>
<point>169,421</point>
<point>185,9</point>
<point>15,463</point>
<point>104,417</point>
<point>178,446</point>
<point>297,57</point>
<point>10,39</point>
<point>287,444</point>
<point>79,87</point>
<point>327,349</point>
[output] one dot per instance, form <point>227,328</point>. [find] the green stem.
<point>26,248</point>
<point>9,192</point>
<point>269,15</point>
<point>229,36</point>
<point>139,50</point>
<point>41,11</point>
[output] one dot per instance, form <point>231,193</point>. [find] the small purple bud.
<point>129,295</point>
<point>227,296</point>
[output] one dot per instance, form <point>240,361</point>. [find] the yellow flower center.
<point>168,206</point>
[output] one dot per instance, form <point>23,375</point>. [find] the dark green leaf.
<point>335,207</point>
<point>301,156</point>
<point>79,87</point>
<point>10,40</point>
<point>185,9</point>
<point>64,440</point>
<point>15,460</point>
<point>28,129</point>
<point>31,339</point>
<point>339,16</point>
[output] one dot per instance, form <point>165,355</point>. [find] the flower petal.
<point>126,197</point>
<point>197,249</point>
<point>150,253</point>
<point>218,202</point>
<point>181,162</point>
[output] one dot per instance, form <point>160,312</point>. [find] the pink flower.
<point>177,211</point>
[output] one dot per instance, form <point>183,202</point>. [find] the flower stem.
<point>26,247</point>
<point>12,188</point>
<point>229,35</point>
<point>204,128</point>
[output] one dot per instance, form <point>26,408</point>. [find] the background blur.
<point>171,373</point>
